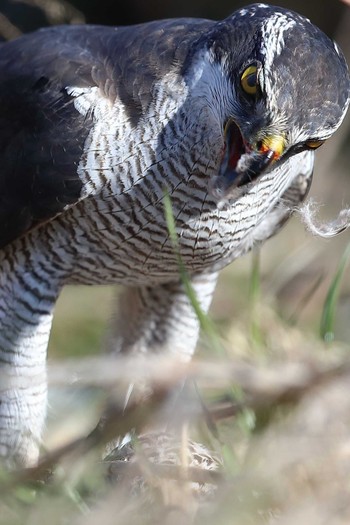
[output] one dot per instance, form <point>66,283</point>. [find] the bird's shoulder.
<point>42,133</point>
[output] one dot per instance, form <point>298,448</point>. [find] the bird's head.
<point>289,90</point>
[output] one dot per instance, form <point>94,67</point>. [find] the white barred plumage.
<point>96,124</point>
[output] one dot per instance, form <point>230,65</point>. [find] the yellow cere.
<point>275,143</point>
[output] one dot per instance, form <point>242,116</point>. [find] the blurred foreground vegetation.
<point>274,403</point>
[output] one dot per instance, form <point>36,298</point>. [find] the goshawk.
<point>97,123</point>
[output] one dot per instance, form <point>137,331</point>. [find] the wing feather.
<point>42,134</point>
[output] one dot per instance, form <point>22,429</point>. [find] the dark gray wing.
<point>42,135</point>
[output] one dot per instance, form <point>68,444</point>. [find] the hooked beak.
<point>243,163</point>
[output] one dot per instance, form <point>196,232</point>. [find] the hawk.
<point>97,123</point>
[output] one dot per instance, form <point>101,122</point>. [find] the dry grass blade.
<point>261,387</point>
<point>115,422</point>
<point>164,373</point>
<point>196,475</point>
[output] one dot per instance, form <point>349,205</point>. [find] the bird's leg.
<point>28,292</point>
<point>160,319</point>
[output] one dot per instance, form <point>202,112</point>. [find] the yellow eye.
<point>314,144</point>
<point>249,80</point>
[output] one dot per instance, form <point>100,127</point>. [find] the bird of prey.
<point>97,124</point>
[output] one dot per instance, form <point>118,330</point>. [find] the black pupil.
<point>251,80</point>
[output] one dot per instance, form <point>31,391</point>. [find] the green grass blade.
<point>246,417</point>
<point>255,301</point>
<point>204,320</point>
<point>329,308</point>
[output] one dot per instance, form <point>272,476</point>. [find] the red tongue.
<point>240,164</point>
<point>235,145</point>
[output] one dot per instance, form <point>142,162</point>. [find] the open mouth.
<point>234,146</point>
<point>242,163</point>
